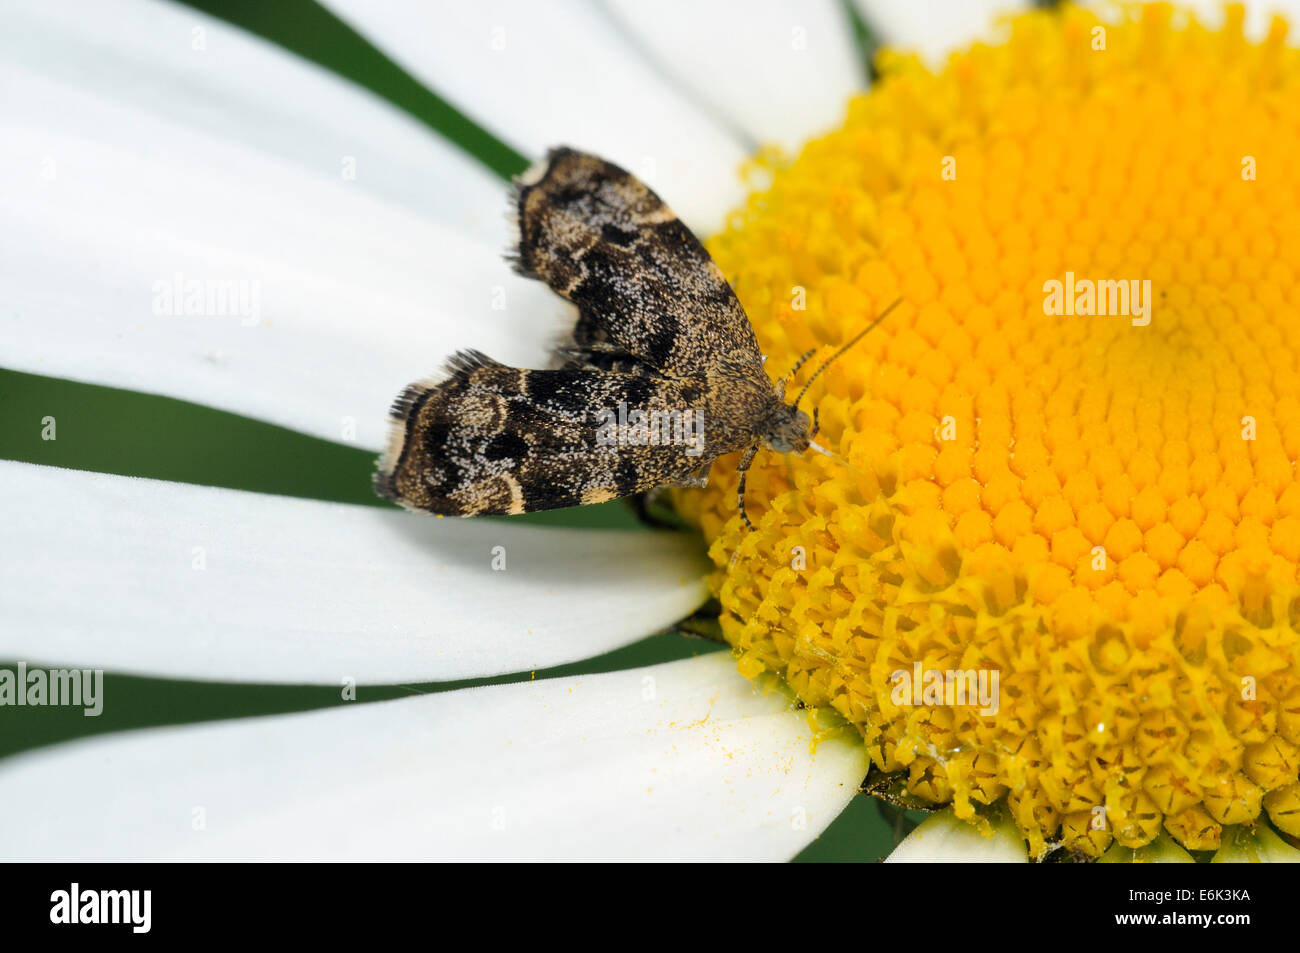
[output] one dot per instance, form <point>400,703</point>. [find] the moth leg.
<point>698,477</point>
<point>743,470</point>
<point>651,505</point>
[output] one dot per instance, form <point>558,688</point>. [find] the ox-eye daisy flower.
<point>1065,500</point>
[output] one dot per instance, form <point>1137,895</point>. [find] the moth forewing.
<point>497,440</point>
<point>662,373</point>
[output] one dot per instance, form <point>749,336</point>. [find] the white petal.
<point>103,66</point>
<point>540,73</point>
<point>942,838</point>
<point>934,28</point>
<point>137,575</point>
<point>783,69</point>
<point>673,762</point>
<point>316,304</point>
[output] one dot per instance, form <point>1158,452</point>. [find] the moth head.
<point>790,430</point>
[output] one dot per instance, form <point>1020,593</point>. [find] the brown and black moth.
<point>659,331</point>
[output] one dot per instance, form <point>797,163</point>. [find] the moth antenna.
<point>743,469</point>
<point>803,359</point>
<point>844,347</point>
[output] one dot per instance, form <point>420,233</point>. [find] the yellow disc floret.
<point>1057,563</point>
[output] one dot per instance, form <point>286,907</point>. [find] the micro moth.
<point>659,331</point>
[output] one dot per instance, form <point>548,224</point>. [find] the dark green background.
<point>141,435</point>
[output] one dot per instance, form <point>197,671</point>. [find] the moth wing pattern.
<point>496,440</point>
<point>645,287</point>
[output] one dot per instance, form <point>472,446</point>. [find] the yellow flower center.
<point>1058,562</point>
